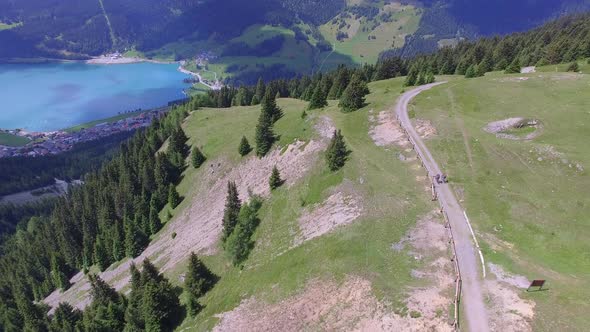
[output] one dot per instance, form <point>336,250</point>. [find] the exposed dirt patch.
<point>515,128</point>
<point>429,243</point>
<point>386,130</point>
<point>425,128</point>
<point>341,208</point>
<point>507,311</point>
<point>325,127</point>
<point>325,306</point>
<point>199,226</point>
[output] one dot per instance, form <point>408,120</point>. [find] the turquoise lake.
<point>44,97</point>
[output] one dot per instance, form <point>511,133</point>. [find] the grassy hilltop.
<point>365,247</point>
<point>526,198</point>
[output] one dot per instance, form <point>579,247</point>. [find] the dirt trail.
<point>473,307</point>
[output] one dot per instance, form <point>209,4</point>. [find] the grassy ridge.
<point>347,250</point>
<point>526,199</point>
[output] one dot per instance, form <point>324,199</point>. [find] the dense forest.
<point>25,173</point>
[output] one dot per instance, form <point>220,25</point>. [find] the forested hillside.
<point>78,29</point>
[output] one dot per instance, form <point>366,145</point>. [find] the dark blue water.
<point>42,97</point>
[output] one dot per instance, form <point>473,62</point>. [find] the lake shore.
<point>108,60</point>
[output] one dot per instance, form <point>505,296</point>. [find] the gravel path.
<point>473,307</point>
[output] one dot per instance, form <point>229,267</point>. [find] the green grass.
<point>13,140</point>
<point>388,34</point>
<point>530,208</point>
<point>583,64</point>
<point>363,248</point>
<point>255,34</point>
<point>107,120</point>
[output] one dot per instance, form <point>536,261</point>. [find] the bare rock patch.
<point>515,128</point>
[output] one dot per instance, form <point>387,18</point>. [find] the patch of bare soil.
<point>351,306</point>
<point>425,128</point>
<point>341,208</point>
<point>325,306</point>
<point>199,226</point>
<point>325,127</point>
<point>508,312</point>
<point>505,128</point>
<point>386,130</point>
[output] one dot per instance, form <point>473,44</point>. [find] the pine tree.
<point>264,134</point>
<point>198,158</point>
<point>260,90</point>
<point>337,153</point>
<point>574,67</point>
<point>60,280</point>
<point>198,281</point>
<point>101,257</point>
<point>155,223</point>
<point>514,67</point>
<point>275,180</point>
<point>412,77</point>
<point>270,108</point>
<point>135,239</point>
<point>430,78</point>
<point>244,147</point>
<point>318,98</point>
<point>159,302</point>
<point>353,97</point>
<point>232,210</point>
<point>471,72</point>
<point>173,196</point>
<point>65,318</point>
<point>421,79</point>
<point>255,100</point>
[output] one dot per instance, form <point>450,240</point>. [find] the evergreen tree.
<point>101,256</point>
<point>198,281</point>
<point>430,78</point>
<point>421,79</point>
<point>471,72</point>
<point>244,147</point>
<point>232,210</point>
<point>270,108</point>
<point>514,67</point>
<point>159,302</point>
<point>573,67</point>
<point>65,318</point>
<point>133,316</point>
<point>60,280</point>
<point>412,77</point>
<point>155,224</point>
<point>260,90</point>
<point>275,180</point>
<point>255,100</point>
<point>198,158</point>
<point>264,134</point>
<point>353,97</point>
<point>107,310</point>
<point>239,244</point>
<point>173,196</point>
<point>337,153</point>
<point>135,239</point>
<point>318,98</point>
